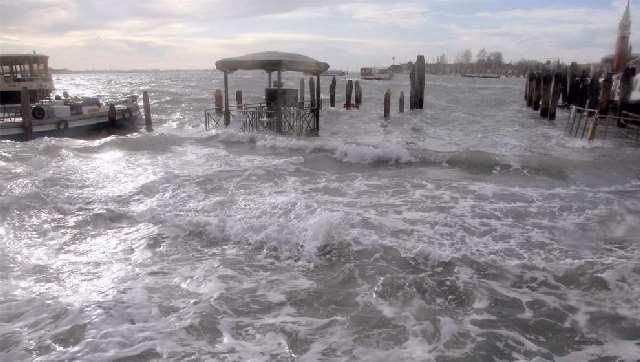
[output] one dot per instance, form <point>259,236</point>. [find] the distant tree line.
<point>485,62</point>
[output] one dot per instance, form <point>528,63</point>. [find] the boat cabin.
<point>24,70</point>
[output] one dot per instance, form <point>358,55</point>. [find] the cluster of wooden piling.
<point>417,79</point>
<point>546,90</point>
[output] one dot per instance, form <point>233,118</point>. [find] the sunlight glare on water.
<point>468,231</point>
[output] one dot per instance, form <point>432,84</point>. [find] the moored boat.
<point>26,85</point>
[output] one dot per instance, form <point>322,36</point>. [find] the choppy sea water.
<point>471,231</point>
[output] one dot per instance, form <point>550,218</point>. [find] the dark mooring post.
<point>626,87</point>
<point>318,93</point>
<point>556,89</point>
<point>420,81</point>
<point>531,83</point>
<point>332,93</point>
<point>537,92</point>
<point>401,103</point>
<point>387,104</point>
<point>147,112</point>
<point>319,104</point>
<point>227,114</point>
<point>218,101</point>
<point>269,84</point>
<point>583,91</point>
<point>238,99</point>
<point>27,124</point>
<point>526,87</point>
<point>594,92</point>
<point>301,93</point>
<point>312,93</point>
<point>546,94</point>
<point>348,94</point>
<point>412,91</point>
<point>358,94</point>
<point>605,94</point>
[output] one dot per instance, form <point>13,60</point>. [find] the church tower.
<point>622,54</point>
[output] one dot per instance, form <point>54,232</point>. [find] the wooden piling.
<point>238,99</point>
<point>387,104</point>
<point>147,111</point>
<point>27,124</point>
<point>312,92</point>
<point>583,91</point>
<point>348,94</point>
<point>401,103</point>
<point>301,93</point>
<point>626,87</point>
<point>531,86</point>
<point>412,92</point>
<point>420,81</point>
<point>605,94</point>
<point>546,94</point>
<point>556,90</point>
<point>537,91</point>
<point>332,93</point>
<point>594,93</point>
<point>218,101</point>
<point>526,87</point>
<point>358,95</point>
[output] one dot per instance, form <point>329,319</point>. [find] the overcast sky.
<point>193,34</point>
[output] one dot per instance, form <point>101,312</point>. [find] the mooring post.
<point>312,92</point>
<point>412,92</point>
<point>238,99</point>
<point>332,93</point>
<point>526,87</point>
<point>269,84</point>
<point>318,94</point>
<point>583,91</point>
<point>218,101</point>
<point>531,83</point>
<point>147,111</point>
<point>387,104</point>
<point>626,87</point>
<point>546,94</point>
<point>227,115</point>
<point>401,103</point>
<point>301,93</point>
<point>555,95</point>
<point>594,92</point>
<point>605,94</point>
<point>348,94</point>
<point>420,81</point>
<point>27,124</point>
<point>358,96</point>
<point>537,92</point>
<point>319,103</point>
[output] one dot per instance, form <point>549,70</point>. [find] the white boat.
<point>376,74</point>
<point>29,74</point>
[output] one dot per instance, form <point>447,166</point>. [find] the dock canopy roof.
<point>273,62</point>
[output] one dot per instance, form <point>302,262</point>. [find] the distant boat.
<point>376,74</point>
<point>486,76</point>
<point>334,73</point>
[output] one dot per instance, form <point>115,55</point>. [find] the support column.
<point>227,115</point>
<point>279,79</point>
<point>269,85</point>
<point>319,103</point>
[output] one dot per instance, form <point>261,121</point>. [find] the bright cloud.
<point>85,34</point>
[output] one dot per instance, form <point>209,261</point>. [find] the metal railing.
<point>298,121</point>
<point>590,124</point>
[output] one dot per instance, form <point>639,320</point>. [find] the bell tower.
<point>622,53</point>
